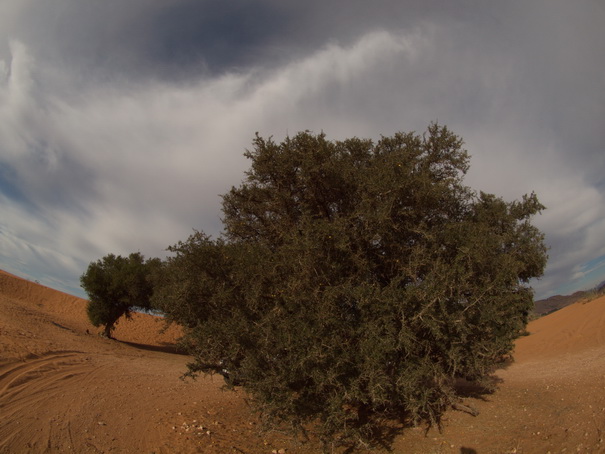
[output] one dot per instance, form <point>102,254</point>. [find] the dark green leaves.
<point>356,280</point>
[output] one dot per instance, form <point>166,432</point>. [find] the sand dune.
<point>572,329</point>
<point>65,389</point>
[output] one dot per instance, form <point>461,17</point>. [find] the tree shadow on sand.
<point>385,434</point>
<point>166,347</point>
<point>468,389</point>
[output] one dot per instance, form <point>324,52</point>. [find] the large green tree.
<point>356,281</point>
<point>115,286</point>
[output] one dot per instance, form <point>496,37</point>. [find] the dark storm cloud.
<point>157,37</point>
<point>150,38</point>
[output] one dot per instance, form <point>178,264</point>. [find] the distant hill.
<point>556,302</point>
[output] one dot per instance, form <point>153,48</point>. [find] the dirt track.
<point>63,389</point>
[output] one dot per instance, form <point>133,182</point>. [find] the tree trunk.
<point>108,330</point>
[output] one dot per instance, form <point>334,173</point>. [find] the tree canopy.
<point>356,281</point>
<point>115,286</point>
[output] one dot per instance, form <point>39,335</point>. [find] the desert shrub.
<point>115,286</point>
<point>355,281</point>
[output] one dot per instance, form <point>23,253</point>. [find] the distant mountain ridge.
<point>556,302</point>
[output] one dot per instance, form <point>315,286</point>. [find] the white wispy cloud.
<point>126,167</point>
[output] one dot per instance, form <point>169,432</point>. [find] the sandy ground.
<point>65,389</point>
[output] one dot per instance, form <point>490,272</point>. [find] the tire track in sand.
<point>37,395</point>
<point>14,374</point>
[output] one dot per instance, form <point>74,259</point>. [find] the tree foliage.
<point>115,285</point>
<point>356,281</point>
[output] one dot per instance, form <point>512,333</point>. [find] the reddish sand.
<point>65,389</point>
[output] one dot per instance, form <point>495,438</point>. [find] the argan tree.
<point>115,286</point>
<point>356,281</point>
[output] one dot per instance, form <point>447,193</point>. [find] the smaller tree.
<point>115,285</point>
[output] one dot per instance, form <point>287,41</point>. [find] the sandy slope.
<point>65,389</point>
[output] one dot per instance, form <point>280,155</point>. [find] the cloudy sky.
<point>121,122</point>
